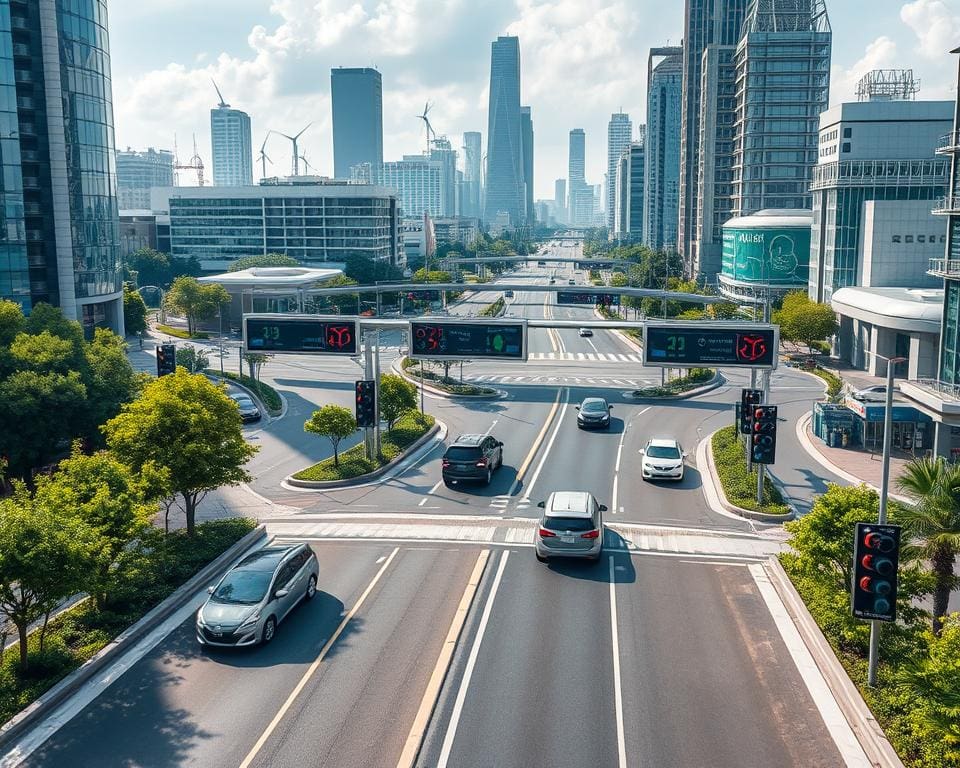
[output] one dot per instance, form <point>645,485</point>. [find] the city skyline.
<point>167,88</point>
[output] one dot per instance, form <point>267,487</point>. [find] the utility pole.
<point>376,390</point>
<point>368,439</point>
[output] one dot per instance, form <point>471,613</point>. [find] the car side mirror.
<point>281,593</point>
<point>542,504</point>
<point>685,454</point>
<point>210,590</point>
<point>609,407</point>
<point>499,445</point>
<point>603,507</point>
<point>577,407</point>
<point>642,452</point>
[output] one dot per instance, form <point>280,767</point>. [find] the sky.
<point>581,60</point>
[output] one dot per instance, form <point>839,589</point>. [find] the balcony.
<point>946,206</point>
<point>933,396</point>
<point>944,268</point>
<point>949,144</point>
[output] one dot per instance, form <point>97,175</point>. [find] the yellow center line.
<point>248,760</point>
<point>536,444</point>
<point>419,728</point>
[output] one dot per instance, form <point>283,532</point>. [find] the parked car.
<point>571,525</point>
<point>254,596</point>
<point>876,394</point>
<point>662,459</point>
<point>594,412</point>
<point>248,409</point>
<point>472,457</point>
<point>586,331</point>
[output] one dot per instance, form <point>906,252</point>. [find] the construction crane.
<point>195,163</point>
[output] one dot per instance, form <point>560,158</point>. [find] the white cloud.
<point>880,54</point>
<point>936,26</point>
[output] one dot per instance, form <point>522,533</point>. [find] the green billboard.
<point>767,255</point>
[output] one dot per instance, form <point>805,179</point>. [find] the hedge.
<point>739,485</point>
<point>181,333</point>
<point>694,378</point>
<point>271,398</point>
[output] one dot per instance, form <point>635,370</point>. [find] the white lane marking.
<point>546,452</point>
<point>422,501</point>
<point>613,503</point>
<point>833,718</point>
<point>594,348</point>
<point>434,489</point>
<point>380,559</point>
<point>490,428</point>
<point>312,669</point>
<point>471,663</point>
<point>617,684</point>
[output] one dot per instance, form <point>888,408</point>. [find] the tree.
<point>151,267</point>
<point>934,521</point>
<point>113,503</point>
<point>134,311</point>
<point>333,422</point>
<point>803,320</point>
<point>255,362</point>
<point>266,260</point>
<point>195,301</point>
<point>397,396</point>
<point>42,558</point>
<point>193,359</point>
<point>189,426</point>
<point>110,381</point>
<point>367,271</point>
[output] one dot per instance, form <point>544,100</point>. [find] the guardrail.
<point>946,205</point>
<point>949,142</point>
<point>944,267</point>
<point>942,388</point>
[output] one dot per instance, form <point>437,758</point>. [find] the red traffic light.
<point>881,565</point>
<point>878,542</point>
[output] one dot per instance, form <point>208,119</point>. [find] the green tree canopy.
<point>333,422</point>
<point>196,301</point>
<point>434,276</point>
<point>188,426</point>
<point>152,267</point>
<point>266,260</point>
<point>193,359</point>
<point>397,396</point>
<point>134,311</point>
<point>803,320</point>
<point>367,271</point>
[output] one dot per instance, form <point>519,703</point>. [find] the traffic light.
<point>749,400</point>
<point>763,437</point>
<point>166,359</point>
<point>876,555</point>
<point>366,403</point>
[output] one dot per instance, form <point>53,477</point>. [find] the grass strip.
<point>739,485</point>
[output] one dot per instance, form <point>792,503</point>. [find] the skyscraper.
<point>661,186</point>
<point>232,146</point>
<point>505,183</point>
<point>443,152</point>
<point>470,195</point>
<point>138,173</point>
<point>421,185</point>
<point>628,189</point>
<point>526,138</point>
<point>356,96</point>
<point>560,200</point>
<point>580,206</point>
<point>619,133</point>
<point>60,241</point>
<point>775,145</point>
<point>705,22</point>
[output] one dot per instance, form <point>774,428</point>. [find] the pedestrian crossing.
<point>574,357</point>
<point>557,380</point>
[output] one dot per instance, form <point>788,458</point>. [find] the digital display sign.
<point>693,346</point>
<point>589,299</point>
<point>303,334</point>
<point>468,339</point>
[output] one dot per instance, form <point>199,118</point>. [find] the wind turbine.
<point>262,157</point>
<point>296,151</point>
<point>222,104</point>
<point>306,163</point>
<point>426,122</point>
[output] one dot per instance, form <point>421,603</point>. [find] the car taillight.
<point>590,535</point>
<point>446,462</point>
<point>545,534</point>
<point>482,463</point>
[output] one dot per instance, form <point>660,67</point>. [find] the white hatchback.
<point>662,458</point>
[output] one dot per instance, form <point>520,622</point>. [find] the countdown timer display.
<point>468,339</point>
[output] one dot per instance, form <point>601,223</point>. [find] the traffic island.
<point>271,399</point>
<point>411,432</point>
<point>737,487</point>
<point>442,385</point>
<point>696,382</point>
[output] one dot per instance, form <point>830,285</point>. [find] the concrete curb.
<point>38,710</point>
<point>377,473</point>
<point>397,367</point>
<point>717,381</point>
<point>733,508</point>
<point>256,398</point>
<point>628,340</point>
<point>858,715</point>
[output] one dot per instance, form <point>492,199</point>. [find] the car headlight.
<point>249,622</point>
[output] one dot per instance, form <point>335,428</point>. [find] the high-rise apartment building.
<point>619,133</point>
<point>705,22</point>
<point>420,184</point>
<point>232,145</point>
<point>580,205</point>
<point>505,189</point>
<point>60,239</point>
<point>356,95</point>
<point>783,84</point>
<point>138,173</point>
<point>444,153</point>
<point>526,138</point>
<point>560,200</point>
<point>628,197</point>
<point>661,186</point>
<point>714,174</point>
<point>471,195</point>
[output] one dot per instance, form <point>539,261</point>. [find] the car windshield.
<point>243,587</point>
<point>244,402</point>
<point>663,452</point>
<point>593,405</point>
<point>568,523</point>
<point>462,453</point>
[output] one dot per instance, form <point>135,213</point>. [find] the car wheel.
<point>489,476</point>
<point>447,482</point>
<point>311,588</point>
<point>269,630</point>
<point>541,558</point>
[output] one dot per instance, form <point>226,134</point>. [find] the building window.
<point>846,147</point>
<point>847,133</point>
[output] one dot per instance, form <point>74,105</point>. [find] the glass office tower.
<point>505,184</point>
<point>661,188</point>
<point>356,95</point>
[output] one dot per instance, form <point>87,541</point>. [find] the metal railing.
<point>940,267</point>
<point>949,142</point>
<point>942,388</point>
<point>946,205</point>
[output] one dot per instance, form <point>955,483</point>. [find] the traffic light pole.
<point>368,441</point>
<point>765,378</point>
<point>376,390</point>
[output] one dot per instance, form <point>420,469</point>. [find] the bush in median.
<point>739,485</point>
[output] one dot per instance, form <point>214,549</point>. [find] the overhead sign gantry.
<point>710,345</point>
<point>475,339</point>
<point>301,334</point>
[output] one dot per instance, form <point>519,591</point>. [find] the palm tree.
<point>935,523</point>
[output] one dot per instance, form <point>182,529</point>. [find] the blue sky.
<point>581,60</point>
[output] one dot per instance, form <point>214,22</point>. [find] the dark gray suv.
<point>472,457</point>
<point>254,596</point>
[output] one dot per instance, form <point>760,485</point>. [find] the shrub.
<point>739,485</point>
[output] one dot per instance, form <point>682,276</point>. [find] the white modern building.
<point>232,145</point>
<point>619,134</point>
<point>316,221</point>
<point>139,172</point>
<point>421,185</point>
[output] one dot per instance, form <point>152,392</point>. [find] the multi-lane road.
<point>437,635</point>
